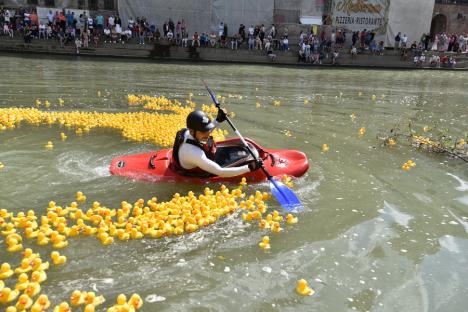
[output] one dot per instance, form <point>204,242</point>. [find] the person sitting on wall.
<point>353,52</point>
<point>335,57</point>
<point>452,62</point>
<point>212,39</point>
<point>403,54</point>
<point>381,48</point>
<point>269,52</point>
<point>444,60</point>
<point>434,61</point>
<point>422,60</point>
<point>195,40</point>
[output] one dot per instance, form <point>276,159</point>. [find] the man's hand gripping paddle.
<point>283,194</point>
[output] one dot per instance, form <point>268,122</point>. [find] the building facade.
<point>450,16</point>
<point>92,5</point>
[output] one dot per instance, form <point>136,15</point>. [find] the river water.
<point>373,237</point>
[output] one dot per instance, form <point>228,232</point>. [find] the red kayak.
<point>154,166</point>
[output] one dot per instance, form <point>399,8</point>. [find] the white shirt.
<point>111,20</point>
<point>191,157</point>
<point>7,16</point>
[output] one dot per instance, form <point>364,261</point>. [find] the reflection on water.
<point>372,237</point>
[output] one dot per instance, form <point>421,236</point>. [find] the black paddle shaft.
<point>259,162</point>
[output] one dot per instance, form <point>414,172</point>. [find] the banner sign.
<point>357,15</point>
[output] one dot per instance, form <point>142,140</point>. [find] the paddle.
<point>283,194</point>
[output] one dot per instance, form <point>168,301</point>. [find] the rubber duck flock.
<point>182,214</point>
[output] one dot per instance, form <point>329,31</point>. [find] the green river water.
<point>372,237</point>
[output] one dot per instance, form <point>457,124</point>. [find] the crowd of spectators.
<point>81,30</point>
<point>437,45</point>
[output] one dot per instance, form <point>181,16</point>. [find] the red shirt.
<point>34,19</point>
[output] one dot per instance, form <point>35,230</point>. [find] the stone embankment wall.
<point>164,52</point>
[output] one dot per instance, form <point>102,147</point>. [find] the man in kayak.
<point>194,149</point>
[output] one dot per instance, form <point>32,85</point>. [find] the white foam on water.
<point>448,242</point>
<point>398,216</point>
<point>462,222</point>
<point>425,199</point>
<point>83,165</point>
<point>463,184</point>
<point>463,200</point>
<point>154,298</point>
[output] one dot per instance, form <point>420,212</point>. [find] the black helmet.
<point>199,121</point>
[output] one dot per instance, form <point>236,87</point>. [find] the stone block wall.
<point>456,16</point>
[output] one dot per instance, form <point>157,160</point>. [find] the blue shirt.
<point>100,20</point>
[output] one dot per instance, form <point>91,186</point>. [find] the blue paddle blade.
<point>283,194</point>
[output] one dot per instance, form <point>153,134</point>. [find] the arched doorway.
<point>439,24</point>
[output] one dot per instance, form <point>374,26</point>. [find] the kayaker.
<point>194,149</point>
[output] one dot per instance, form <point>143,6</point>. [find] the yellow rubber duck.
<point>5,271</point>
<point>276,227</point>
<point>57,259</point>
<point>62,307</point>
<point>264,224</point>
<point>290,219</point>
<point>325,148</point>
<point>9,228</point>
<point>2,285</point>
<point>13,238</point>
<point>14,245</point>
<point>80,197</point>
<point>30,233</point>
<point>58,241</point>
<point>11,309</point>
<point>277,217</point>
<point>42,238</point>
<point>391,142</point>
<point>38,276</point>
<point>265,243</point>
<point>29,254</point>
<point>49,145</point>
<point>23,282</point>
<point>47,104</point>
<point>89,308</point>
<point>61,101</point>
<point>90,298</point>
<point>247,216</point>
<point>8,295</point>
<point>374,97</point>
<point>362,131</point>
<point>408,165</point>
<point>77,298</point>
<point>1,166</point>
<point>256,215</point>
<point>33,289</point>
<point>42,304</point>
<point>303,288</point>
<point>135,301</point>
<point>4,214</point>
<point>121,304</point>
<point>38,265</point>
<point>24,302</point>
